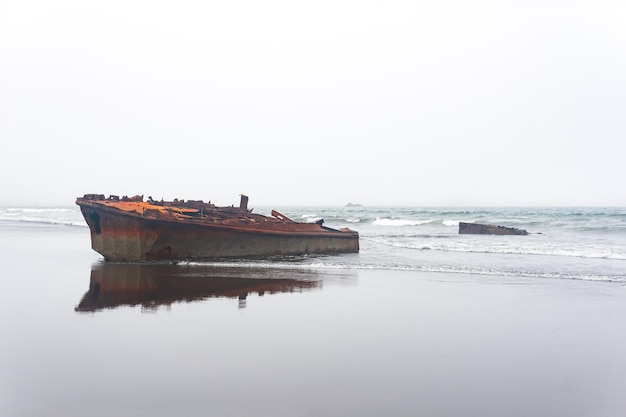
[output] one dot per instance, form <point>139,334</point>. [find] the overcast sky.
<point>481,103</point>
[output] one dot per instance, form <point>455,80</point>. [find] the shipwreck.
<point>488,229</point>
<point>129,229</point>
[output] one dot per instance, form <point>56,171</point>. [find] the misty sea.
<point>563,243</point>
<point>422,321</point>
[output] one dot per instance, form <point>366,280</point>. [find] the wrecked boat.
<point>488,229</point>
<point>129,229</point>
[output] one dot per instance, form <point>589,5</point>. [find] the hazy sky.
<point>314,103</point>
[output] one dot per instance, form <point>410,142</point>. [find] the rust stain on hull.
<point>130,230</point>
<point>488,229</point>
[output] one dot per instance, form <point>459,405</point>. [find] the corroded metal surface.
<point>130,229</point>
<point>488,229</point>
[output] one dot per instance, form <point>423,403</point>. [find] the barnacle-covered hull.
<point>130,230</point>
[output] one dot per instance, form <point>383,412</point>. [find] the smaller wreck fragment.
<point>129,229</point>
<point>488,229</point>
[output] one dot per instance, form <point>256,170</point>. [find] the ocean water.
<point>422,322</point>
<point>564,243</point>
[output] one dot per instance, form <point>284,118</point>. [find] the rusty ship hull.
<point>133,230</point>
<point>489,229</point>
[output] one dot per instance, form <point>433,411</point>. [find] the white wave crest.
<point>399,222</point>
<point>53,215</point>
<point>310,218</point>
<point>40,210</point>
<point>501,247</point>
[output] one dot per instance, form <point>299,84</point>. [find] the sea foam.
<point>399,222</point>
<point>54,215</point>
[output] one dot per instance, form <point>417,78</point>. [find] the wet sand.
<point>296,342</point>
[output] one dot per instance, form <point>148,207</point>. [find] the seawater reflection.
<point>113,285</point>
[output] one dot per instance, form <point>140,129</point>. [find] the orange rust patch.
<point>140,206</point>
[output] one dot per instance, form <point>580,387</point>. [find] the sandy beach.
<point>222,136</point>
<point>309,343</point>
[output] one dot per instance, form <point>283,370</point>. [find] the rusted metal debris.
<point>131,229</point>
<point>488,229</point>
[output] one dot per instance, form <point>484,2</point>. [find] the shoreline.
<point>159,340</point>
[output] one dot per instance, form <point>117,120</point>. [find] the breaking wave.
<point>53,215</point>
<point>498,246</point>
<point>450,223</point>
<point>399,222</point>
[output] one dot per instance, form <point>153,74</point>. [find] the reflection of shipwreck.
<point>150,285</point>
<point>130,229</point>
